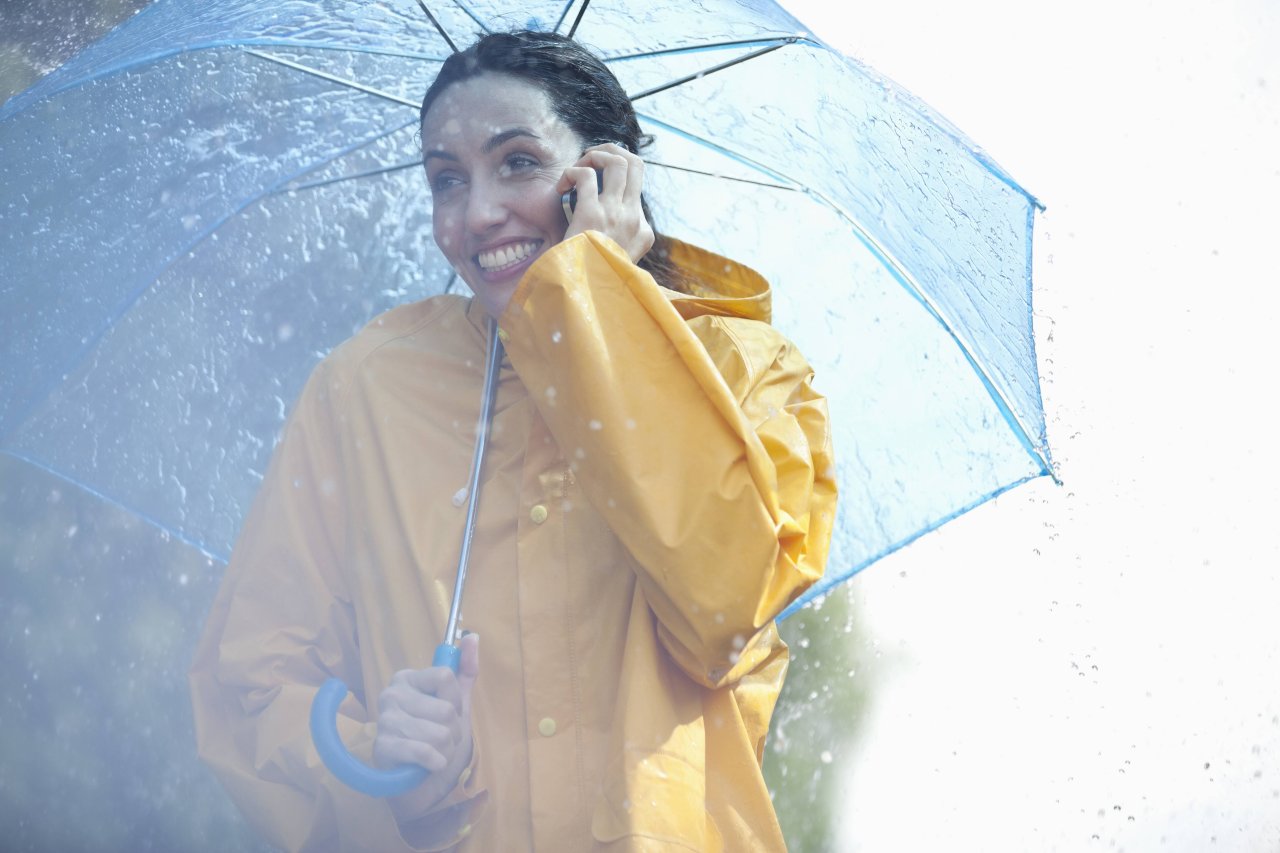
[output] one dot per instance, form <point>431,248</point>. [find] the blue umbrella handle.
<point>350,770</point>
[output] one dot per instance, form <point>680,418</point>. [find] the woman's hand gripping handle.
<point>424,728</point>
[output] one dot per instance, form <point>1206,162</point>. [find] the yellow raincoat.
<point>658,486</point>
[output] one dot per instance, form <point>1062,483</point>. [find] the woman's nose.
<point>486,206</point>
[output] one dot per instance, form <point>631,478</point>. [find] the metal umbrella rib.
<point>698,75</point>
<point>332,78</point>
<point>900,272</point>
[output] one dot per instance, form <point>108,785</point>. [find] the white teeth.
<point>505,256</point>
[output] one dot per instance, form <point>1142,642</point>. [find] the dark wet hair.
<point>583,93</point>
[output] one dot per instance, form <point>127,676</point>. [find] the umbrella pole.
<point>324,708</point>
<point>447,653</point>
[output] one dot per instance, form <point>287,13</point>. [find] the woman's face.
<point>494,151</point>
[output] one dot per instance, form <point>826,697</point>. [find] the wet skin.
<point>498,159</point>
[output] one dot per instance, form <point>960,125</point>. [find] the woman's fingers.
<point>437,681</point>
<point>615,210</point>
<point>615,172</point>
<point>612,162</point>
<point>469,665</point>
<point>397,723</point>
<point>424,715</point>
<point>393,750</point>
<point>583,179</point>
<point>635,181</point>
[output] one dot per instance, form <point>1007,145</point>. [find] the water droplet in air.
<point>556,336</point>
<point>826,756</point>
<point>596,425</point>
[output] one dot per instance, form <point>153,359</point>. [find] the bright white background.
<point>1096,666</point>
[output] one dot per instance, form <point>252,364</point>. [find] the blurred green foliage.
<point>818,721</point>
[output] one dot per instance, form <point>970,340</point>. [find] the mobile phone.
<point>569,201</point>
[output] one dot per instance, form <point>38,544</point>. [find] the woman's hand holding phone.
<point>608,179</point>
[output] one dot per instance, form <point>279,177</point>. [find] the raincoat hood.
<point>718,286</point>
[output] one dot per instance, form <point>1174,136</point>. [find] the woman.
<point>657,488</point>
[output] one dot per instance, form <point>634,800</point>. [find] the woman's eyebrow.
<point>507,135</point>
<point>493,142</point>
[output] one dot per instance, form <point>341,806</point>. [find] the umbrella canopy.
<point>202,204</point>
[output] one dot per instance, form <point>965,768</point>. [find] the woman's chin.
<point>494,295</point>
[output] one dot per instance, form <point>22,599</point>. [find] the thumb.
<point>469,665</point>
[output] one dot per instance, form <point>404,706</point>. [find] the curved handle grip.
<point>350,770</point>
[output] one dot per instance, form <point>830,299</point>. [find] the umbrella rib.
<point>697,75</point>
<point>899,272</point>
<point>918,106</point>
<point>319,45</point>
<point>436,24</point>
<point>578,20</point>
<point>332,78</point>
<point>472,15</point>
<point>766,184</point>
<point>564,13</point>
<point>401,166</point>
<point>720,149</point>
<point>715,45</point>
<point>327,181</point>
<point>9,109</point>
<point>913,287</point>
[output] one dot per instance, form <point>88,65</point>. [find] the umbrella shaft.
<point>493,364</point>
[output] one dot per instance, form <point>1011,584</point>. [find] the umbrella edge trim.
<point>202,547</point>
<point>830,582</point>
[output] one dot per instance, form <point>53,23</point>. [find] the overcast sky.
<point>1097,665</point>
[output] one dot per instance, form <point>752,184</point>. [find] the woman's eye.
<point>444,182</point>
<point>518,163</point>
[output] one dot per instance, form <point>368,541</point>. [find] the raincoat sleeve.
<point>701,442</point>
<point>282,624</point>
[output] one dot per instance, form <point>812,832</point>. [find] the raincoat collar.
<point>718,286</point>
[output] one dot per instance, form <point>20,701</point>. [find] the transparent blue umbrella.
<point>199,206</point>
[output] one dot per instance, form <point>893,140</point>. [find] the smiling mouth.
<point>506,256</point>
